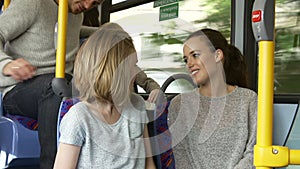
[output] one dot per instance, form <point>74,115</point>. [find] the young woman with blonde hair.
<point>107,129</point>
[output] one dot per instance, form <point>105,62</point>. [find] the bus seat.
<point>162,141</point>
<point>27,122</point>
<point>283,118</point>
<point>1,107</point>
<point>293,139</point>
<point>19,146</point>
<point>65,105</point>
<point>19,143</point>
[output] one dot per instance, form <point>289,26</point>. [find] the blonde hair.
<point>101,71</point>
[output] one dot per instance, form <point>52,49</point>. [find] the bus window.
<point>287,47</point>
<point>117,1</point>
<point>293,139</point>
<point>159,43</point>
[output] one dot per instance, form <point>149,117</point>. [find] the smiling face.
<point>79,6</point>
<point>200,59</point>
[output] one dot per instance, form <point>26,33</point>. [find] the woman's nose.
<point>189,62</point>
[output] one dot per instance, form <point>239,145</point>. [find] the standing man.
<point>27,62</point>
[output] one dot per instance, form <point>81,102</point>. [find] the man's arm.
<point>149,85</point>
<point>16,19</point>
<point>87,31</point>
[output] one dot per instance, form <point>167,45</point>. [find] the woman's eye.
<point>184,60</point>
<point>195,55</point>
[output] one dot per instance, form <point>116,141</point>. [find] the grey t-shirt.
<point>214,132</point>
<point>107,146</point>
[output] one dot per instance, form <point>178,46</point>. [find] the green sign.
<point>168,12</point>
<point>163,2</point>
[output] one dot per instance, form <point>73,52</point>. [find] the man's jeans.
<point>35,98</point>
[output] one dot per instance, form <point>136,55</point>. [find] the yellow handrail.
<point>61,39</point>
<point>265,99</point>
<point>6,3</point>
<point>267,155</point>
<point>265,93</point>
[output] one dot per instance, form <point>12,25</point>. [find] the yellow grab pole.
<point>266,155</point>
<point>265,96</point>
<point>295,157</point>
<point>265,93</point>
<point>60,85</point>
<point>263,17</point>
<point>6,3</point>
<point>61,38</point>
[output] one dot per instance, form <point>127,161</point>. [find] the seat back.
<point>26,122</point>
<point>283,119</point>
<point>19,146</point>
<point>162,142</point>
<point>65,106</point>
<point>1,107</point>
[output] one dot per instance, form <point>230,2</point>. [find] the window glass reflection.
<point>287,47</point>
<point>159,43</point>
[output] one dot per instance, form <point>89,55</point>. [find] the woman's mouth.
<point>194,72</point>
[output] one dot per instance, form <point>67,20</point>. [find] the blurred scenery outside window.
<point>159,43</point>
<point>287,47</point>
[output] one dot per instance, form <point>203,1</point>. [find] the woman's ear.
<point>219,55</point>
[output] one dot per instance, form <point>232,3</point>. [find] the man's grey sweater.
<point>27,31</point>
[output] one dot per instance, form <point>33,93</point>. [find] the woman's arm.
<point>149,160</point>
<point>247,161</point>
<point>67,156</point>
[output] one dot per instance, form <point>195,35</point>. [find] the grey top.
<point>214,132</point>
<point>107,146</point>
<point>27,30</point>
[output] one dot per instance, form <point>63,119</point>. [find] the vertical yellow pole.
<point>266,155</point>
<point>265,95</point>
<point>61,38</point>
<point>263,23</point>
<point>6,3</point>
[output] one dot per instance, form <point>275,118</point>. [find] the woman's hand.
<point>153,95</point>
